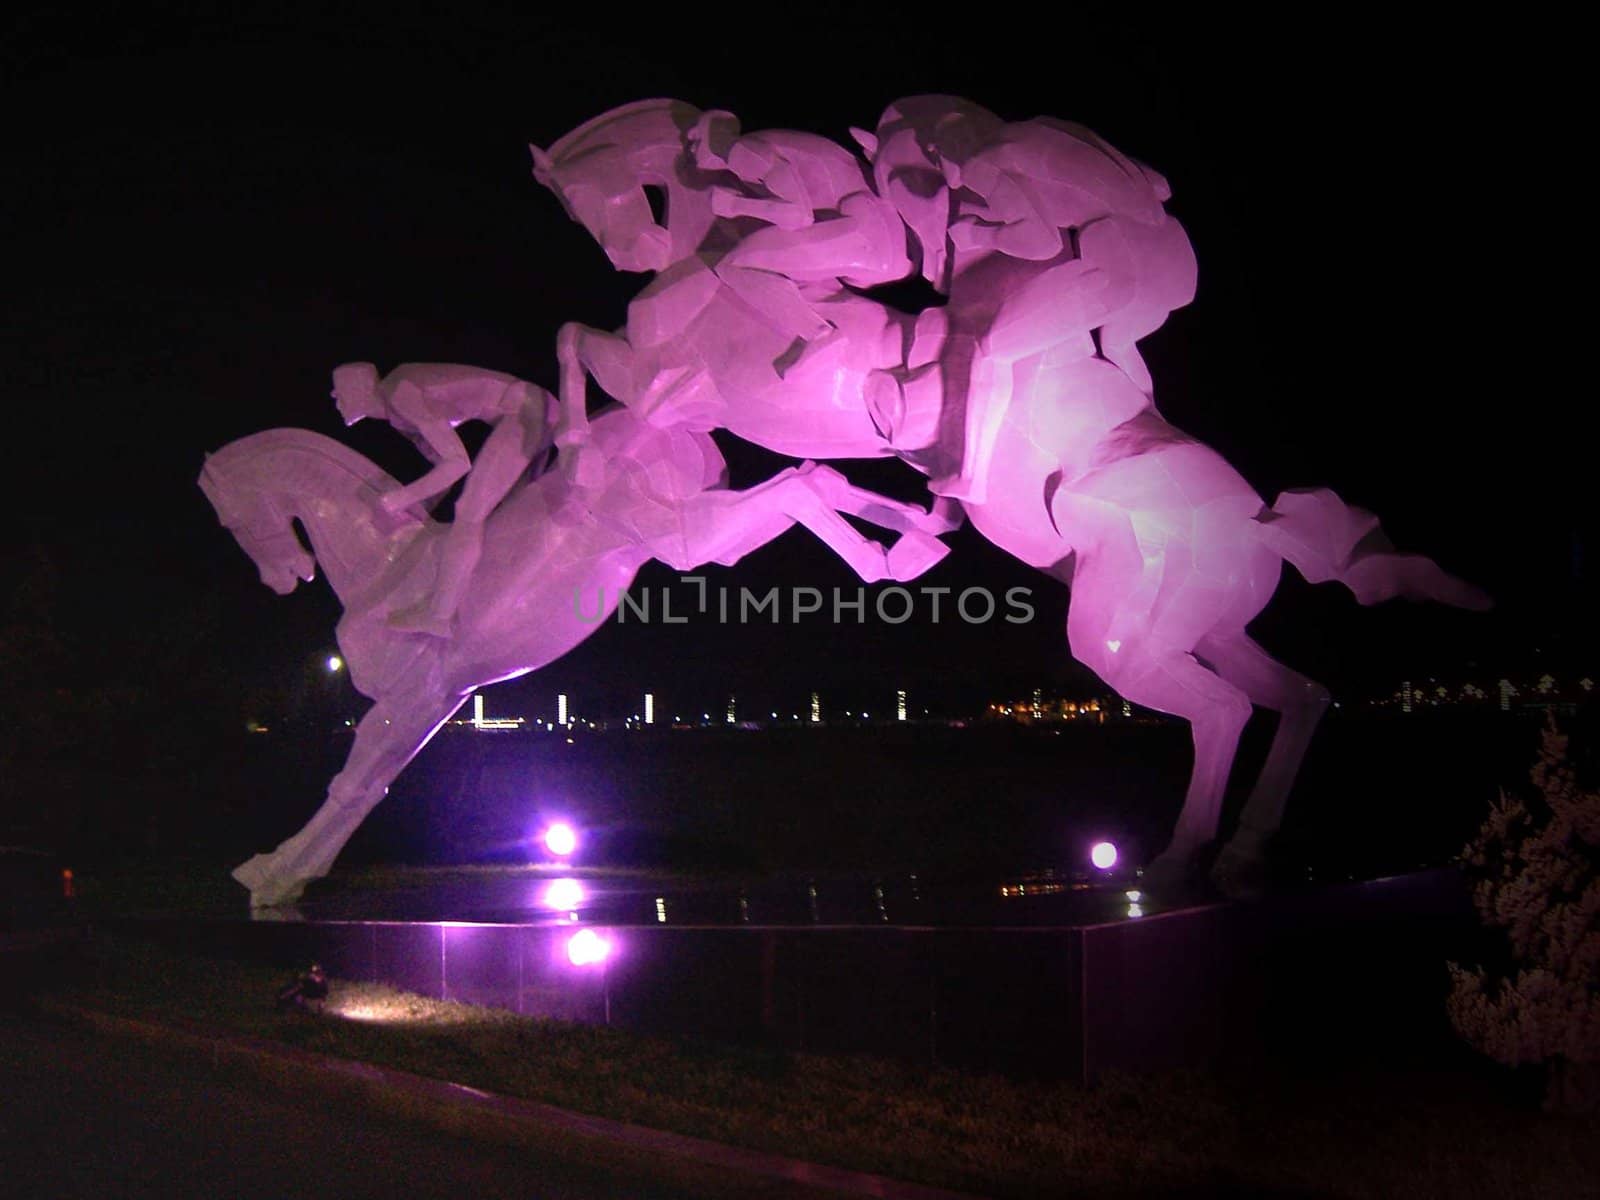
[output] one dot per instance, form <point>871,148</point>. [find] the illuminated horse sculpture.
<point>548,548</point>
<point>746,326</point>
<point>1025,396</point>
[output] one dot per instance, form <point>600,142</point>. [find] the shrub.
<point>1535,865</point>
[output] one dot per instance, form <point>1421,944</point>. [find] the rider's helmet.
<point>355,390</point>
<point>916,157</point>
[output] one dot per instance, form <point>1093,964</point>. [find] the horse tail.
<point>1328,540</point>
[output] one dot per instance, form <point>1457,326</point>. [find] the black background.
<point>203,219</point>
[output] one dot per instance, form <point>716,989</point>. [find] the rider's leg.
<point>610,359</point>
<point>866,246</point>
<point>859,246</point>
<point>776,300</point>
<point>988,398</point>
<point>573,426</point>
<point>1054,312</point>
<point>1152,271</point>
<point>907,401</point>
<point>500,464</point>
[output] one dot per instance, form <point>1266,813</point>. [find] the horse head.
<point>260,527</point>
<point>259,485</point>
<point>600,170</point>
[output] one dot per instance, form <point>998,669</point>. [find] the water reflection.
<point>521,896</point>
<point>562,895</point>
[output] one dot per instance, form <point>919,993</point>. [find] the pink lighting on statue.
<point>587,948</point>
<point>560,840</point>
<point>1024,399</point>
<point>554,560</point>
<point>1103,855</point>
<point>562,895</point>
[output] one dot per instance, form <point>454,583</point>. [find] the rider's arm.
<point>449,456</point>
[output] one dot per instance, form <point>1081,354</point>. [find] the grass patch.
<point>1351,1130</point>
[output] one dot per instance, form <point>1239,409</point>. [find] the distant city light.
<point>900,706</point>
<point>586,947</point>
<point>649,708</point>
<point>560,840</point>
<point>1103,855</point>
<point>561,709</point>
<point>335,663</point>
<point>816,707</point>
<point>563,895</point>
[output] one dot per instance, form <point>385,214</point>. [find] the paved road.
<point>87,1115</point>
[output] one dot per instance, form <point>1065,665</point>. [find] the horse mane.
<point>678,112</point>
<point>353,463</point>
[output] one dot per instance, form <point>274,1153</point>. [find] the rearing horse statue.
<point>547,549</point>
<point>1024,395</point>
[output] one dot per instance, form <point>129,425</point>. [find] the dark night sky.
<point>204,220</point>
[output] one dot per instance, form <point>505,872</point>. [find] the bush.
<point>1535,865</point>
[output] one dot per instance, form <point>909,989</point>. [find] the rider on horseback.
<point>823,223</point>
<point>1111,264</point>
<point>426,401</point>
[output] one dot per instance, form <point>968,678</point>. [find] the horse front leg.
<point>918,547</point>
<point>724,526</point>
<point>387,738</point>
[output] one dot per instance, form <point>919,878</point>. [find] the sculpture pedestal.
<point>1320,970</point>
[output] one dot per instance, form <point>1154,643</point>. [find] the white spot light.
<point>560,840</point>
<point>587,947</point>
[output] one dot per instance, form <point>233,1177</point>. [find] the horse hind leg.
<point>1217,711</point>
<point>1300,704</point>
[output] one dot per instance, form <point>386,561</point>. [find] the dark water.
<point>1376,795</point>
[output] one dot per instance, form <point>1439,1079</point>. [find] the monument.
<point>1023,398</point>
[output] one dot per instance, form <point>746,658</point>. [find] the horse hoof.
<point>955,487</point>
<point>1169,876</point>
<point>914,553</point>
<point>1239,876</point>
<point>267,888</point>
<point>254,872</point>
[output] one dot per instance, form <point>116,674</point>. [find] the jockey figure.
<point>1111,264</point>
<point>426,401</point>
<point>822,222</point>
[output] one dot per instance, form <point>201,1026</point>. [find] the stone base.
<point>1325,969</point>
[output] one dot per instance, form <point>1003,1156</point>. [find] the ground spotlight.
<point>560,840</point>
<point>586,947</point>
<point>1103,855</point>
